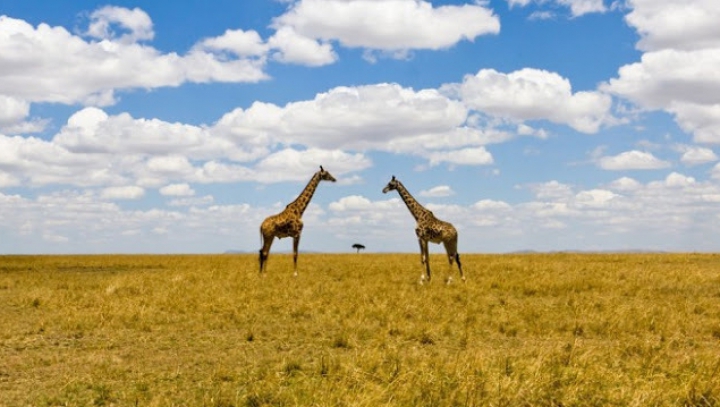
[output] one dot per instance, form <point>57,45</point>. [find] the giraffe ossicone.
<point>429,229</point>
<point>288,223</point>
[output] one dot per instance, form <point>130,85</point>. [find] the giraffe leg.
<point>448,250</point>
<point>265,252</point>
<point>425,260</point>
<point>296,243</point>
<point>452,254</point>
<point>422,260</point>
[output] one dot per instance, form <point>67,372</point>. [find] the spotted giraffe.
<point>288,223</point>
<point>429,229</point>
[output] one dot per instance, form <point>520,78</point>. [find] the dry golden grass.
<point>357,330</point>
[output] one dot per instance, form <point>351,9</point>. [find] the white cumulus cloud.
<point>126,192</point>
<point>577,7</point>
<point>177,190</point>
<point>678,71</point>
<point>383,117</point>
<point>94,70</point>
<point>465,156</point>
<point>675,179</point>
<point>438,191</point>
<point>238,42</point>
<point>532,94</point>
<point>632,160</point>
<point>595,198</point>
<point>693,155</point>
<point>389,24</point>
<point>667,24</point>
<point>12,111</point>
<point>291,47</point>
<point>135,24</point>
<point>625,184</point>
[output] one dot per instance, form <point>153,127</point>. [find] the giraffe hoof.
<point>449,280</point>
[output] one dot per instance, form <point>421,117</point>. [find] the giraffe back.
<point>435,230</point>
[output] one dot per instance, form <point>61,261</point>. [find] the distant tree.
<point>358,247</point>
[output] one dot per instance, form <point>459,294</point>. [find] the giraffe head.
<point>391,186</point>
<point>325,176</point>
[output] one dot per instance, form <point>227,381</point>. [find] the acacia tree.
<point>358,247</point>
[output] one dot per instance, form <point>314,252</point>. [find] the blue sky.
<point>140,127</point>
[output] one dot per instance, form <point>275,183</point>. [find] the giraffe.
<point>288,223</point>
<point>429,229</point>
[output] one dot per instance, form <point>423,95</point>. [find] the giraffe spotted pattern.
<point>288,223</point>
<point>429,229</point>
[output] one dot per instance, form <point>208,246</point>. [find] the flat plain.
<point>558,329</point>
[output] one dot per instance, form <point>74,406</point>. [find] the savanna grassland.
<point>358,330</point>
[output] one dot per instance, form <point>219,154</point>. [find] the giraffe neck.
<point>301,202</point>
<point>413,206</point>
